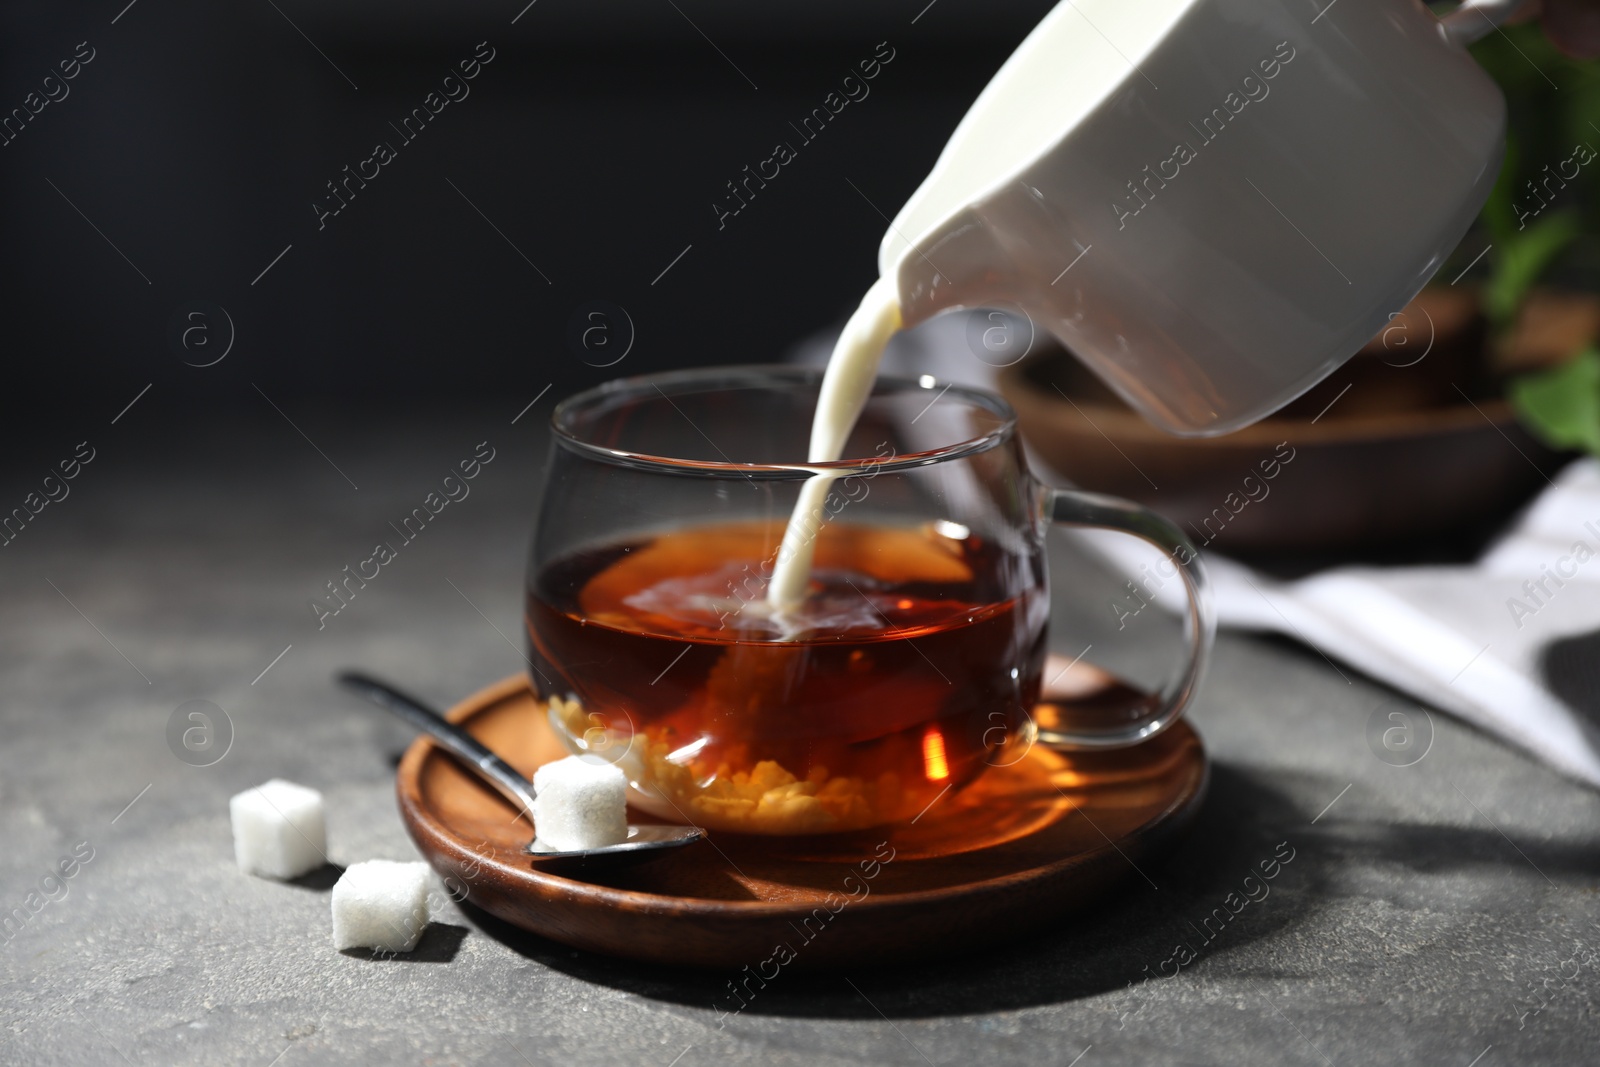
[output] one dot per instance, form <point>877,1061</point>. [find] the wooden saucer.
<point>1024,844</point>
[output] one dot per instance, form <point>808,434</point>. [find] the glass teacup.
<point>914,661</point>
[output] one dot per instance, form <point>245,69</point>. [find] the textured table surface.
<point>1439,913</point>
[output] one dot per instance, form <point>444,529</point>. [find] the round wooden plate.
<point>1025,843</point>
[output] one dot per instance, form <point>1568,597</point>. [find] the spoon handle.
<point>490,767</point>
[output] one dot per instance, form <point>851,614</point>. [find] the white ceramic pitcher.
<point>1214,203</point>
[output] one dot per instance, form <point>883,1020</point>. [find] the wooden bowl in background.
<point>1390,449</point>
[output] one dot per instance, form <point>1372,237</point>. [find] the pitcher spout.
<point>961,265</point>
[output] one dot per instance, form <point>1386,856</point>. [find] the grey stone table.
<point>1442,913</point>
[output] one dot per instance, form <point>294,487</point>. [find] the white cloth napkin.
<point>1463,639</point>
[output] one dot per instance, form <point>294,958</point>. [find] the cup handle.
<point>1475,19</point>
<point>1072,508</point>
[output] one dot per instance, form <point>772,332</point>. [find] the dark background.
<point>200,135</point>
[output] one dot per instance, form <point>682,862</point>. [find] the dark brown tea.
<point>915,655</point>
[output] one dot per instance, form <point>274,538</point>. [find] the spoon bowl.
<point>643,840</point>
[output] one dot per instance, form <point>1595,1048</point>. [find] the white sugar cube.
<point>278,830</point>
<point>580,802</point>
<point>380,905</point>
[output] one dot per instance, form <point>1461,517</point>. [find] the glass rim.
<point>777,376</point>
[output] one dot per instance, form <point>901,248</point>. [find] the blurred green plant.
<point>1543,208</point>
<point>1545,200</point>
<point>1562,405</point>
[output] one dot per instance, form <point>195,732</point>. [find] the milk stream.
<point>846,384</point>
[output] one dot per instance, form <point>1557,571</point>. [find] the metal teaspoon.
<point>472,754</point>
